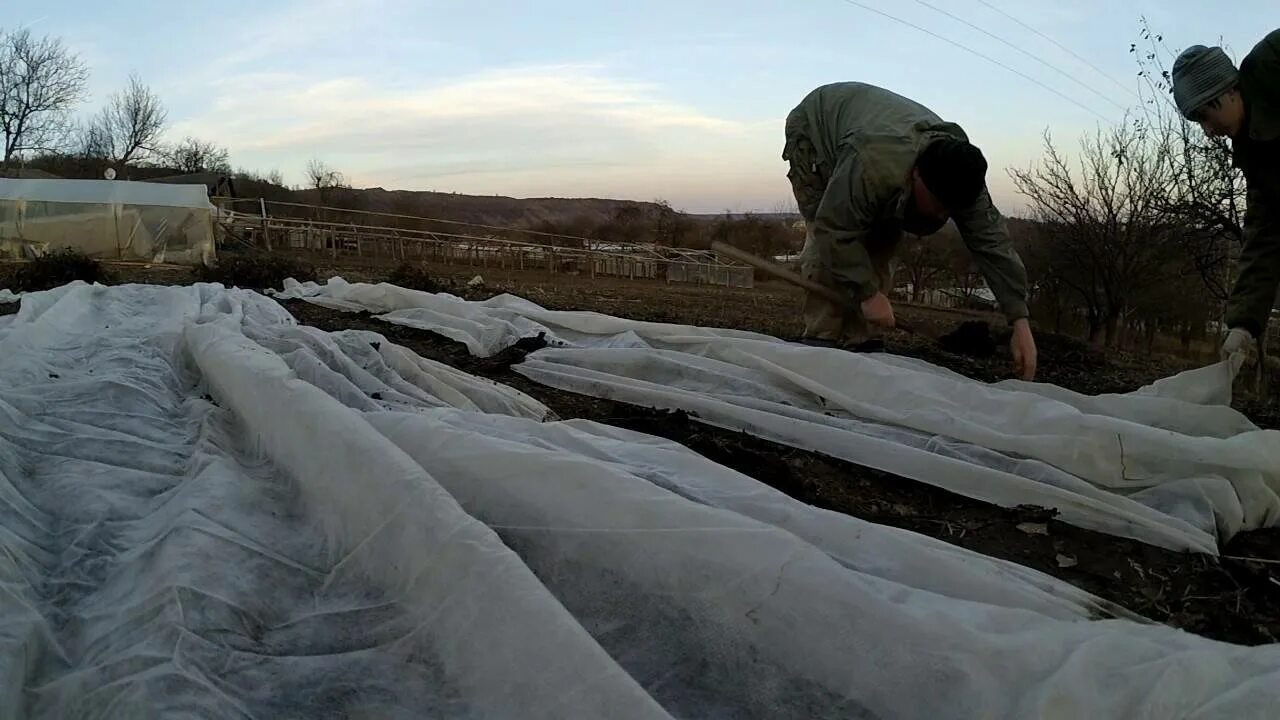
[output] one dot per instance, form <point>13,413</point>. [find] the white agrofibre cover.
<point>1170,464</point>
<point>207,510</point>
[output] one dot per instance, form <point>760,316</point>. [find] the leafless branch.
<point>41,82</point>
<point>194,155</point>
<point>128,129</point>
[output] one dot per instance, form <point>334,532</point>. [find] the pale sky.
<point>683,101</point>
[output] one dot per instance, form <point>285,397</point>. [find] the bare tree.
<point>965,280</point>
<point>194,155</point>
<point>759,235</point>
<point>925,261</point>
<point>320,176</point>
<point>626,225</point>
<point>1109,236</point>
<point>324,179</point>
<point>89,141</point>
<point>129,127</point>
<point>670,226</point>
<point>663,219</point>
<point>41,82</point>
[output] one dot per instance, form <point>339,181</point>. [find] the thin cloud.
<point>302,28</point>
<point>543,129</point>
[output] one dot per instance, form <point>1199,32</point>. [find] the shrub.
<point>255,272</point>
<point>56,269</point>
<point>415,277</point>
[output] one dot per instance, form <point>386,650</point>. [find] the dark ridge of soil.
<point>1264,415</point>
<point>10,308</point>
<point>1220,598</point>
<point>972,337</point>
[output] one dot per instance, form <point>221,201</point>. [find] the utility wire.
<point>1060,46</point>
<point>1031,55</point>
<point>988,58</point>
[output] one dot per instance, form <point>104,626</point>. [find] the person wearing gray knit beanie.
<point>1243,104</point>
<point>1206,90</point>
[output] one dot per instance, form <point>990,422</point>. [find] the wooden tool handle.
<point>829,294</point>
<point>782,273</point>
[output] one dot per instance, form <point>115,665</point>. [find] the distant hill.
<point>783,216</point>
<point>482,209</point>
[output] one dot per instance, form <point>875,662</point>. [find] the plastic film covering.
<point>107,219</point>
<point>207,510</point>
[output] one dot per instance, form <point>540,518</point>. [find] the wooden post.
<point>266,236</point>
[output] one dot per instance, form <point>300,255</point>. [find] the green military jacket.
<point>1257,153</point>
<point>865,140</point>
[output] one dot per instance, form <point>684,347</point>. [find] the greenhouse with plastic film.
<point>105,219</point>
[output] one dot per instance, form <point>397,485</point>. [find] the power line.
<point>1059,45</point>
<point>988,58</point>
<point>1031,55</point>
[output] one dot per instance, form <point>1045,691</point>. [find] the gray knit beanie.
<point>1201,74</point>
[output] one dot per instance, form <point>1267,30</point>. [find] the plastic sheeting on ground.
<point>1163,464</point>
<point>207,510</point>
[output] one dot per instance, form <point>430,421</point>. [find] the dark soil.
<point>1225,599</point>
<point>972,337</point>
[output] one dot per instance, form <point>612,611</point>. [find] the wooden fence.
<point>299,231</point>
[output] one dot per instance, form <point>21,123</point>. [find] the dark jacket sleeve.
<point>1254,293</point>
<point>1262,65</point>
<point>841,226</point>
<point>986,235</point>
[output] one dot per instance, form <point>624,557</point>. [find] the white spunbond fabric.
<point>364,371</point>
<point>1157,465</point>
<point>882,552</point>
<point>488,620</point>
<point>207,510</point>
<point>610,511</point>
<point>271,557</point>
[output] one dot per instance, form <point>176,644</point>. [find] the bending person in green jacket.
<point>1244,105</point>
<point>866,166</point>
